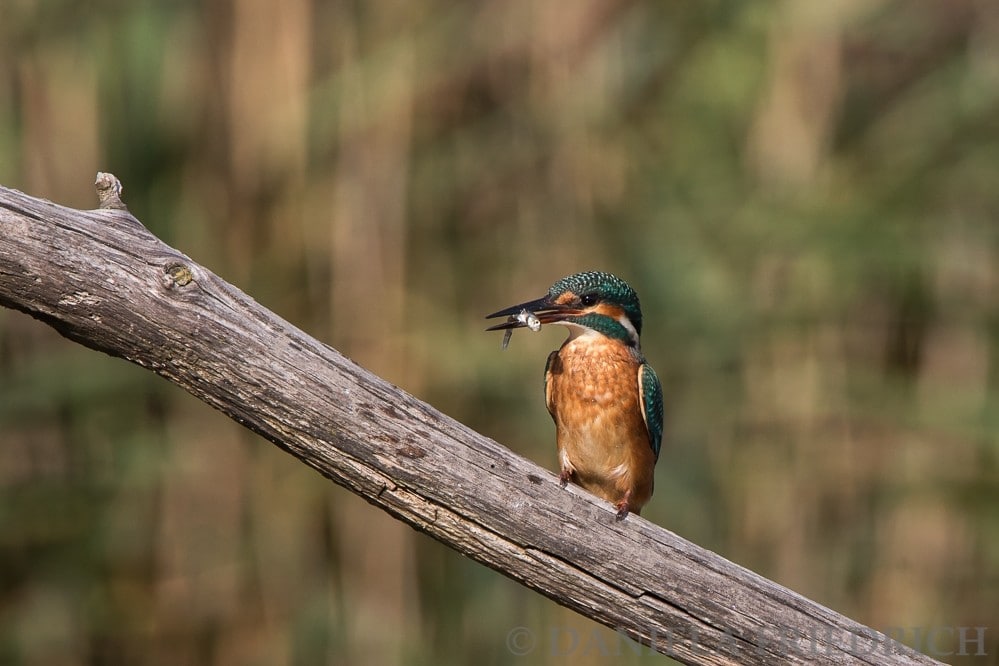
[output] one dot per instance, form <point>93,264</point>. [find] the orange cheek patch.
<point>612,311</point>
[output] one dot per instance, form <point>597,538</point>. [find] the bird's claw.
<point>563,477</point>
<point>624,506</point>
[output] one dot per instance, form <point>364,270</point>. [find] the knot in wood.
<point>177,275</point>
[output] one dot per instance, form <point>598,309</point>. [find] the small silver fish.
<point>533,323</point>
<point>507,334</point>
<point>524,317</point>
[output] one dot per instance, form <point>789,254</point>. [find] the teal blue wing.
<point>650,391</point>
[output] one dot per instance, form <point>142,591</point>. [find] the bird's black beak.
<point>546,310</point>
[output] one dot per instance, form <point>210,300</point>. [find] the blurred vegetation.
<point>804,194</point>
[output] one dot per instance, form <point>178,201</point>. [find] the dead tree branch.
<point>101,279</point>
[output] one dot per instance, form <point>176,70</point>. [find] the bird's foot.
<point>624,506</point>
<point>563,477</point>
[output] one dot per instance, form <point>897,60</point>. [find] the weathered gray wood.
<point>101,279</point>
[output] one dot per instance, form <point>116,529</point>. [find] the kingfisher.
<point>605,399</point>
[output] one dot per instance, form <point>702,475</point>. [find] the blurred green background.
<point>806,196</point>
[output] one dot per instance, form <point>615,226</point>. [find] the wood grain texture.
<point>101,279</point>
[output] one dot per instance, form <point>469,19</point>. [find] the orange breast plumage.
<point>592,393</point>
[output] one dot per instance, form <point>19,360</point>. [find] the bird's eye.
<point>588,299</point>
